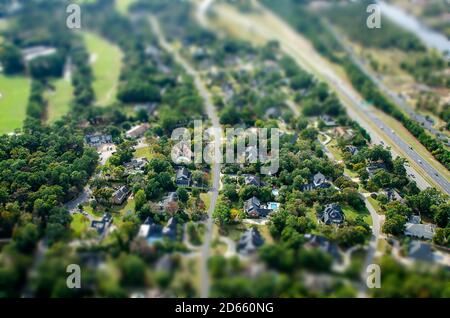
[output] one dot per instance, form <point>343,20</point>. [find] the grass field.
<point>79,224</point>
<point>352,214</point>
<point>59,100</point>
<point>143,153</point>
<point>106,60</point>
<point>123,5</point>
<point>13,102</point>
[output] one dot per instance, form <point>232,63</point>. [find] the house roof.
<point>323,244</point>
<point>253,180</point>
<point>252,203</point>
<point>332,214</point>
<point>425,231</point>
<point>328,120</point>
<point>101,225</point>
<point>373,167</point>
<point>121,193</point>
<point>421,251</point>
<point>170,230</point>
<point>415,219</point>
<point>183,173</point>
<point>393,195</point>
<point>250,241</point>
<point>352,149</point>
<point>319,179</point>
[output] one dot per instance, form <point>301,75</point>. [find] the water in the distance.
<point>430,37</point>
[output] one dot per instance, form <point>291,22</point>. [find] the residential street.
<point>82,198</point>
<point>212,114</point>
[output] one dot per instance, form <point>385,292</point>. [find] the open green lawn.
<point>206,198</point>
<point>143,153</point>
<point>123,5</point>
<point>106,60</point>
<point>59,99</point>
<point>3,26</point>
<point>351,214</point>
<point>80,224</point>
<point>129,206</point>
<point>13,102</point>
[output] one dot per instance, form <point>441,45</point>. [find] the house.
<point>352,149</point>
<point>343,132</point>
<point>172,197</point>
<point>144,229</point>
<point>374,167</point>
<point>251,154</point>
<point>120,195</point>
<point>250,241</point>
<point>423,231</point>
<point>325,245</point>
<point>393,195</point>
<point>170,230</point>
<point>252,207</point>
<point>252,180</point>
<point>136,165</point>
<point>415,219</point>
<point>98,140</point>
<point>153,51</point>
<point>137,131</point>
<point>102,225</point>
<point>332,214</point>
<point>34,52</point>
<point>328,120</point>
<point>421,251</point>
<point>148,107</point>
<point>182,153</point>
<point>228,91</point>
<point>150,231</point>
<point>319,181</point>
<point>272,112</point>
<point>183,178</point>
<point>275,192</point>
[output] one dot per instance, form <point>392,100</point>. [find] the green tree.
<point>394,225</point>
<point>222,214</point>
<point>183,195</point>
<point>140,199</point>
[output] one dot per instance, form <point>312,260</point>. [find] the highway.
<point>216,166</point>
<point>387,92</point>
<point>268,26</point>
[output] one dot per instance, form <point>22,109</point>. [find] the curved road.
<point>212,114</point>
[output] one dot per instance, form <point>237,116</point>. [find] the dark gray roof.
<point>183,173</point>
<point>420,251</point>
<point>121,193</point>
<point>252,204</point>
<point>319,179</point>
<point>101,225</point>
<point>250,241</point>
<point>332,214</point>
<point>323,244</point>
<point>374,167</point>
<point>253,180</point>
<point>352,149</point>
<point>170,230</point>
